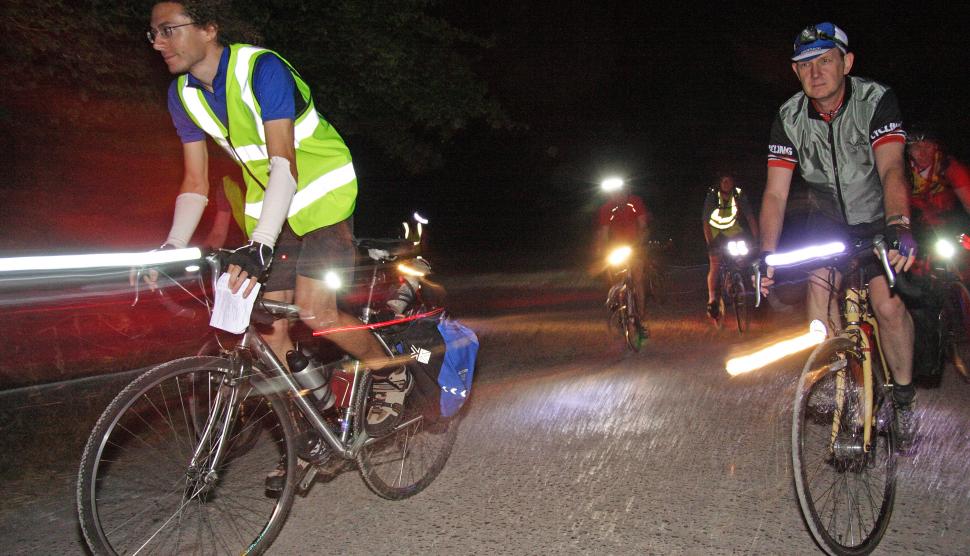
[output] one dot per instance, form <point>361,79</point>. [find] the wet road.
<point>572,446</point>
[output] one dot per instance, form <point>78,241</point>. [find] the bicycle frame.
<point>858,317</point>
<point>253,359</point>
<point>856,312</point>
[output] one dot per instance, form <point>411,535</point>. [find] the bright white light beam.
<point>612,184</point>
<point>805,254</point>
<point>99,260</point>
<point>774,352</point>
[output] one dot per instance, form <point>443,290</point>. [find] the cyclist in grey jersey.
<point>845,136</point>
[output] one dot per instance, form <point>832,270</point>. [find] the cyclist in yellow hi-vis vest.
<point>301,188</point>
<point>724,207</point>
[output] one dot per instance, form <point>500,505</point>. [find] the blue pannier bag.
<point>458,367</point>
<point>441,355</point>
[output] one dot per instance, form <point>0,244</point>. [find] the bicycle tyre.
<point>740,302</point>
<point>403,463</point>
<point>614,319</point>
<point>632,323</point>
<point>846,478</point>
<point>958,325</point>
<point>133,481</point>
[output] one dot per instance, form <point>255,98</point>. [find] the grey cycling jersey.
<point>837,158</point>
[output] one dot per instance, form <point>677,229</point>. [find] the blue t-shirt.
<point>273,86</point>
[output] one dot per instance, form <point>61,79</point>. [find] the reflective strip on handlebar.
<point>100,260</point>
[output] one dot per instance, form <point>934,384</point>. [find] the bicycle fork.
<point>855,303</point>
<point>207,457</point>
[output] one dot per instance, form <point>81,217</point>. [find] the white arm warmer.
<point>276,201</point>
<point>188,212</point>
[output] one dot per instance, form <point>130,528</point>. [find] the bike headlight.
<point>945,248</point>
<point>738,248</point>
<point>619,255</point>
<point>744,248</point>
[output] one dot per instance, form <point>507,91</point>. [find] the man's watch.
<point>898,220</point>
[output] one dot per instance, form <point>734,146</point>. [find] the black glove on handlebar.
<point>253,258</point>
<point>900,237</point>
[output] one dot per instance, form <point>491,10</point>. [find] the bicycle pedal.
<point>309,474</point>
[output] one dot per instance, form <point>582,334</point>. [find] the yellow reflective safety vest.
<point>724,217</point>
<point>326,189</point>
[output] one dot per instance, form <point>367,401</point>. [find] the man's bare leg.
<point>896,330</point>
<point>713,265</point>
<point>318,310</point>
<point>822,300</point>
<point>279,337</point>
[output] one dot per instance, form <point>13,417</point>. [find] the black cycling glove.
<point>253,258</point>
<point>900,237</point>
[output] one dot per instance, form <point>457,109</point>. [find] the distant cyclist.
<point>624,219</point>
<point>941,184</point>
<point>724,208</point>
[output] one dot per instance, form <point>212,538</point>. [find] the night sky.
<point>665,96</point>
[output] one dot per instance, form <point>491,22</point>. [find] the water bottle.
<point>312,375</point>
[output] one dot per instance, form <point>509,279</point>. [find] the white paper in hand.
<point>231,311</point>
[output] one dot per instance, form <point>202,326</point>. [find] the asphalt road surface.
<point>570,445</point>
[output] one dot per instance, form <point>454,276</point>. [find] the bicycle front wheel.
<point>404,462</point>
<point>845,491</point>
<point>632,324</point>
<point>138,493</point>
<point>740,303</point>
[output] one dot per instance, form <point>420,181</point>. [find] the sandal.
<point>387,401</point>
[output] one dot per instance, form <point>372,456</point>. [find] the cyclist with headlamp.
<point>845,136</point>
<point>624,219</point>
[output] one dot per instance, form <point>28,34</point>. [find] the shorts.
<point>825,230</point>
<point>326,249</point>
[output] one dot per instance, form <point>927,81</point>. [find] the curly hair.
<point>222,15</point>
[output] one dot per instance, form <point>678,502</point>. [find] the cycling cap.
<point>816,40</point>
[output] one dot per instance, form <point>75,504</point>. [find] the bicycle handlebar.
<point>801,257</point>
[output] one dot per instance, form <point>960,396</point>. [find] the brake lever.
<point>138,275</point>
<point>879,244</point>
<point>757,285</point>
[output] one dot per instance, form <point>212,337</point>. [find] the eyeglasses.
<point>812,33</point>
<point>165,31</point>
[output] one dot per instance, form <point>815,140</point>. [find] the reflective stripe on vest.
<point>618,207</point>
<point>313,191</point>
<point>723,218</point>
<point>322,158</point>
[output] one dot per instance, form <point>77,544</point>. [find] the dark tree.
<point>390,72</point>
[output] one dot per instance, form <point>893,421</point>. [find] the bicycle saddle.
<point>387,249</point>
